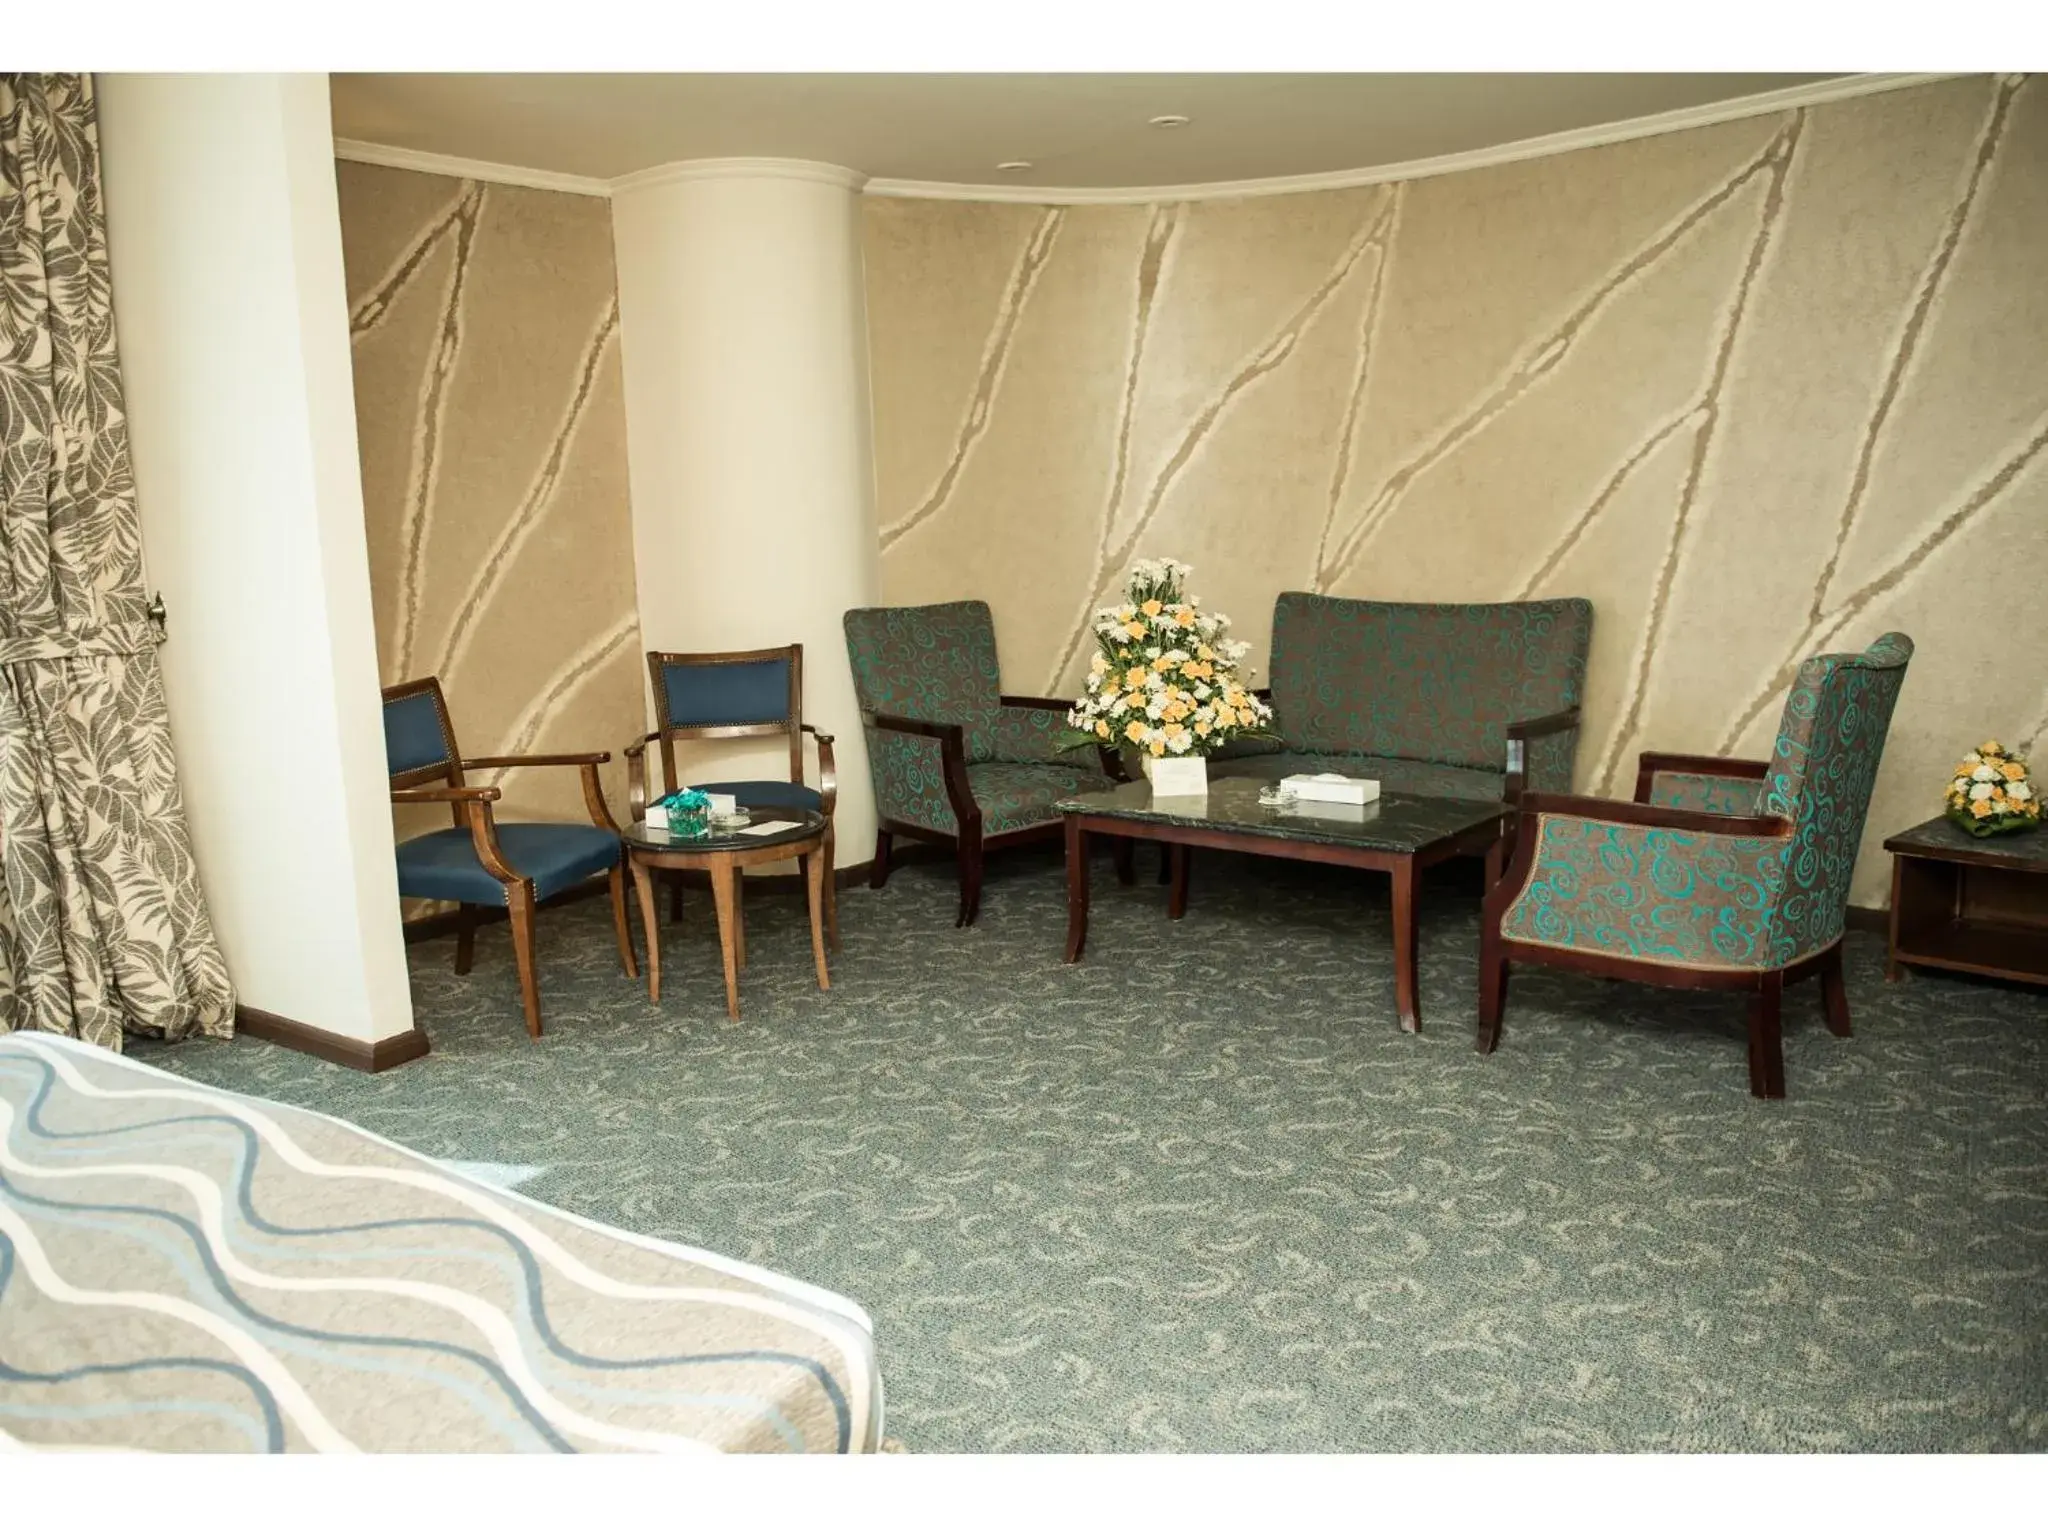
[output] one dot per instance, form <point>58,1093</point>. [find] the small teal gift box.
<point>685,813</point>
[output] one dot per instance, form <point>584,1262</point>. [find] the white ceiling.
<point>1077,130</point>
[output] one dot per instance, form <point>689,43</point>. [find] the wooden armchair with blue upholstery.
<point>1723,872</point>
<point>955,761</point>
<point>726,695</point>
<point>482,862</point>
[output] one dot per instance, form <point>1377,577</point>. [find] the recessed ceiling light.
<point>1170,120</point>
<point>1014,165</point>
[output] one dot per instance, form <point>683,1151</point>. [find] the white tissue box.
<point>1332,787</point>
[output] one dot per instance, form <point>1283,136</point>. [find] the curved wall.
<point>1758,390</point>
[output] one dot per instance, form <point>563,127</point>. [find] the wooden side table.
<point>722,856</point>
<point>1963,903</point>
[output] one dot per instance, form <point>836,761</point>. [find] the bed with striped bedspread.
<point>187,1269</point>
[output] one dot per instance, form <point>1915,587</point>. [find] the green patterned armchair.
<point>954,760</point>
<point>1721,873</point>
<point>1470,701</point>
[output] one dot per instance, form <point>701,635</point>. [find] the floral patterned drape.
<point>103,928</point>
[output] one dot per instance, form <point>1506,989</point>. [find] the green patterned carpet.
<point>1198,1193</point>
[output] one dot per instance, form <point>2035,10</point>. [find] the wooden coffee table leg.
<point>1177,893</point>
<point>1405,876</point>
<point>1077,889</point>
<point>643,882</point>
<point>814,877</point>
<point>724,877</point>
<point>739,914</point>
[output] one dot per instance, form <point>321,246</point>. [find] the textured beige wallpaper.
<point>1757,390</point>
<point>492,433</point>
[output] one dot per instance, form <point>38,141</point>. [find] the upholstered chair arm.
<point>828,770</point>
<point>919,769</point>
<point>1027,729</point>
<point>1641,882</point>
<point>1635,814</point>
<point>1540,753</point>
<point>473,802</point>
<point>593,791</point>
<point>1727,785</point>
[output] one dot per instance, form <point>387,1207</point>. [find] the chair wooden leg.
<point>1493,991</point>
<point>831,890</point>
<point>519,905</point>
<point>970,878</point>
<point>466,914</point>
<point>619,924</point>
<point>1120,857</point>
<point>1833,995</point>
<point>878,872</point>
<point>1766,1044</point>
<point>675,899</point>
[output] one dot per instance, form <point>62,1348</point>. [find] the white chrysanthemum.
<point>1980,792</point>
<point>2020,791</point>
<point>1960,785</point>
<point>1203,690</point>
<point>1983,773</point>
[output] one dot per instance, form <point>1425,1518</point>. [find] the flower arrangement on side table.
<point>1991,793</point>
<point>1165,680</point>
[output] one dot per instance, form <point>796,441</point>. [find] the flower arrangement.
<point>1991,793</point>
<point>1165,678</point>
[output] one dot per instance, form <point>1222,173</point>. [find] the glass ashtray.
<point>1276,796</point>
<point>732,823</point>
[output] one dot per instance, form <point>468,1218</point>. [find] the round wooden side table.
<point>722,855</point>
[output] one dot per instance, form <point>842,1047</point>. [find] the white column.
<point>232,312</point>
<point>744,330</point>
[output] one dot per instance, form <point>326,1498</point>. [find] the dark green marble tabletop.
<point>1933,839</point>
<point>1393,823</point>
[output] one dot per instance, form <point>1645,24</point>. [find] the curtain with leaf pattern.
<point>103,929</point>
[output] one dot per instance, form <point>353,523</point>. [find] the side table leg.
<point>1077,889</point>
<point>724,876</point>
<point>815,877</point>
<point>1405,878</point>
<point>643,883</point>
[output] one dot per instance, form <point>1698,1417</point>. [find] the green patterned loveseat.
<point>954,760</point>
<point>1474,701</point>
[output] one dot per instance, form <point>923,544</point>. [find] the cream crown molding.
<point>1678,120</point>
<point>365,153</point>
<point>749,167</point>
<point>1705,115</point>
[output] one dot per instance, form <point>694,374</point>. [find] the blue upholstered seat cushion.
<point>443,866</point>
<point>761,793</point>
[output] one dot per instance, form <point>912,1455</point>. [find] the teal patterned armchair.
<point>954,760</point>
<point>1471,701</point>
<point>1723,872</point>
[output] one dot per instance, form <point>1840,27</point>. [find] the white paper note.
<point>762,828</point>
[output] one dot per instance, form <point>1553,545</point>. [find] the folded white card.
<point>1332,787</point>
<point>763,828</point>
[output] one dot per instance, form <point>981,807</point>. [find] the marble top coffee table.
<point>1401,834</point>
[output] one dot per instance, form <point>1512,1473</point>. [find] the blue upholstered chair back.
<point>692,691</point>
<point>418,741</point>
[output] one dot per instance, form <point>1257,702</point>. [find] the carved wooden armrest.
<point>593,792</point>
<point>1650,764</point>
<point>828,772</point>
<point>473,804</point>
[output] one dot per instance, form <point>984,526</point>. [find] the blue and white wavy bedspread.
<point>185,1269</point>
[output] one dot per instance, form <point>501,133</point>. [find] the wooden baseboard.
<point>344,1050</point>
